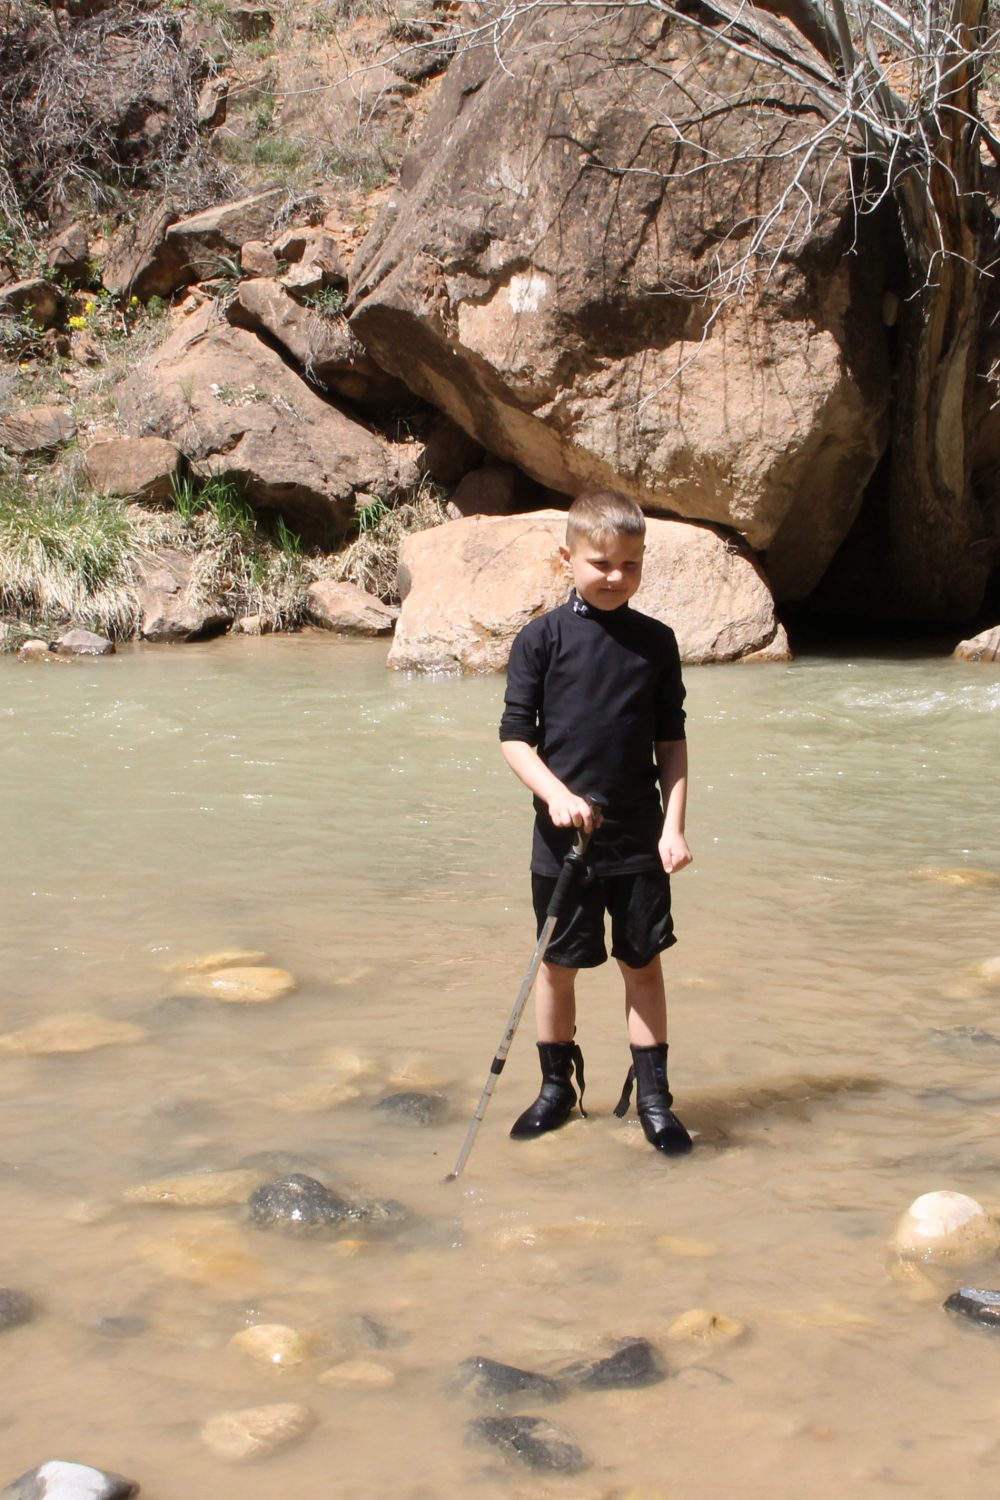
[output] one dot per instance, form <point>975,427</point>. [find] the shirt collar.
<point>581,607</point>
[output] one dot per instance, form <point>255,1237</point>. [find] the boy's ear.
<point>564,554</point>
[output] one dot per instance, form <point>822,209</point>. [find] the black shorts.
<point>639,907</point>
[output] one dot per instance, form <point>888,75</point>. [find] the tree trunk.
<point>939,551</point>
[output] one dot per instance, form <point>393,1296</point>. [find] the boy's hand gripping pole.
<point>572,866</point>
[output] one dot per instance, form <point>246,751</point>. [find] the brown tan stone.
<point>982,647</point>
<point>233,406</point>
<point>76,1032</point>
<point>470,585</point>
<point>142,468</point>
<point>245,985</point>
<point>255,1432</point>
<point>345,608</point>
<point>34,429</point>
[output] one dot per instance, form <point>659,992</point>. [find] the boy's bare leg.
<point>645,1003</point>
<point>555,1003</point>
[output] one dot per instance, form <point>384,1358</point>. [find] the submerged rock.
<point>415,1107</point>
<point>700,1323</point>
<point>274,1344</point>
<point>255,1431</point>
<point>962,1036</point>
<point>76,1032</point>
<point>120,1325</point>
<point>16,1307</point>
<point>359,1372</point>
<point>223,958</point>
<point>59,1480</point>
<point>963,878</point>
<point>988,970</point>
<point>240,985</point>
<point>947,1226</point>
<point>373,1334</point>
<point>635,1363</point>
<point>531,1441</point>
<point>298,1202</point>
<point>491,1380</point>
<point>979,1306</point>
<point>197,1190</point>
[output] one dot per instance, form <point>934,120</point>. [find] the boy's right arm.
<point>565,809</point>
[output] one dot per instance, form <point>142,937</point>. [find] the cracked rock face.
<point>525,279</point>
<point>232,406</point>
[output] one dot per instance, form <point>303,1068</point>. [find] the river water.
<point>830,1049</point>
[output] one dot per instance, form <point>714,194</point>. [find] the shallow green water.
<point>292,795</point>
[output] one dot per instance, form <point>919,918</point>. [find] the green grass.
<point>254,562</point>
<point>328,301</point>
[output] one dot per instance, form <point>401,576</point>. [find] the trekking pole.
<point>571,866</point>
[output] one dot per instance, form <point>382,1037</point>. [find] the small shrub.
<point>328,301</point>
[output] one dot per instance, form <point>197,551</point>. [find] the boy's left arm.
<point>672,763</point>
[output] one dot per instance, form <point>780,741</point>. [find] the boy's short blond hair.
<point>602,513</point>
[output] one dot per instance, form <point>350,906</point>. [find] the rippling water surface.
<point>827,1049</point>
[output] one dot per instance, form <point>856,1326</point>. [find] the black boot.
<point>653,1100</point>
<point>555,1102</point>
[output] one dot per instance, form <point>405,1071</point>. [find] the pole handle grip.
<point>573,862</point>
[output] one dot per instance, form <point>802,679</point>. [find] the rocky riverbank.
<point>275,357</point>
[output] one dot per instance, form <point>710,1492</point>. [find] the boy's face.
<point>607,570</point>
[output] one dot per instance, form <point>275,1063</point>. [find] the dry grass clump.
<point>69,557</point>
<point>372,560</point>
<point>66,558</point>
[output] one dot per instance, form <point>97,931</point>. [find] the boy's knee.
<point>558,975</point>
<point>648,973</point>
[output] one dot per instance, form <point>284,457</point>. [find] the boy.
<point>594,706</point>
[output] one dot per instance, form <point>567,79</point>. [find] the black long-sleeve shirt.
<point>594,690</point>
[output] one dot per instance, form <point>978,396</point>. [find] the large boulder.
<point>470,585</point>
<point>232,406</point>
<point>536,277</point>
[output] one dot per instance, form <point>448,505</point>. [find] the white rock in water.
<point>249,985</point>
<point>59,1480</point>
<point>77,1032</point>
<point>273,1344</point>
<point>255,1431</point>
<point>947,1226</point>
